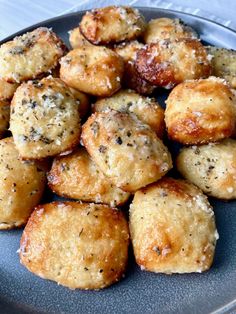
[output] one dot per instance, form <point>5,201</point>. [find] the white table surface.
<point>18,14</point>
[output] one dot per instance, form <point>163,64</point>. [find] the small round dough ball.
<point>200,111</point>
<point>131,77</point>
<point>4,116</point>
<point>77,39</point>
<point>166,28</point>
<point>211,167</point>
<point>77,176</point>
<point>128,50</point>
<point>172,228</point>
<point>44,119</point>
<point>82,100</point>
<point>94,70</point>
<point>167,63</point>
<point>223,63</point>
<point>77,245</point>
<point>112,24</point>
<point>7,90</point>
<point>30,55</point>
<point>145,108</point>
<point>22,185</point>
<point>125,149</point>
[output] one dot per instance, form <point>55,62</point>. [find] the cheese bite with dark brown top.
<point>200,111</point>
<point>168,63</point>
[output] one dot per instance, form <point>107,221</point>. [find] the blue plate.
<point>139,292</point>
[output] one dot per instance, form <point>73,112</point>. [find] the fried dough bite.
<point>172,228</point>
<point>7,90</point>
<point>223,63</point>
<point>76,39</point>
<point>4,116</point>
<point>6,93</point>
<point>77,245</point>
<point>44,119</point>
<point>82,100</point>
<point>211,167</point>
<point>22,185</point>
<point>112,24</point>
<point>167,63</point>
<point>30,55</point>
<point>233,98</point>
<point>166,28</point>
<point>146,109</point>
<point>125,149</point>
<point>131,77</point>
<point>77,176</point>
<point>200,111</point>
<point>94,70</point>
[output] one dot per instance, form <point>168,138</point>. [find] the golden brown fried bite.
<point>77,39</point>
<point>22,184</point>
<point>167,63</point>
<point>172,228</point>
<point>211,167</point>
<point>131,77</point>
<point>145,108</point>
<point>30,55</point>
<point>77,176</point>
<point>112,24</point>
<point>4,116</point>
<point>7,90</point>
<point>166,28</point>
<point>125,149</point>
<point>94,70</point>
<point>200,111</point>
<point>44,119</point>
<point>128,50</point>
<point>223,63</point>
<point>77,245</point>
<point>82,100</point>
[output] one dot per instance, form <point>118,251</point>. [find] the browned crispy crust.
<point>164,227</point>
<point>77,39</point>
<point>94,70</point>
<point>112,24</point>
<point>131,78</point>
<point>77,245</point>
<point>76,176</point>
<point>7,90</point>
<point>200,111</point>
<point>167,63</point>
<point>4,116</point>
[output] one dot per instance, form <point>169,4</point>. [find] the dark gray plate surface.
<point>139,292</point>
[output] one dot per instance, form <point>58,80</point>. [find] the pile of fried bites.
<point>89,109</point>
